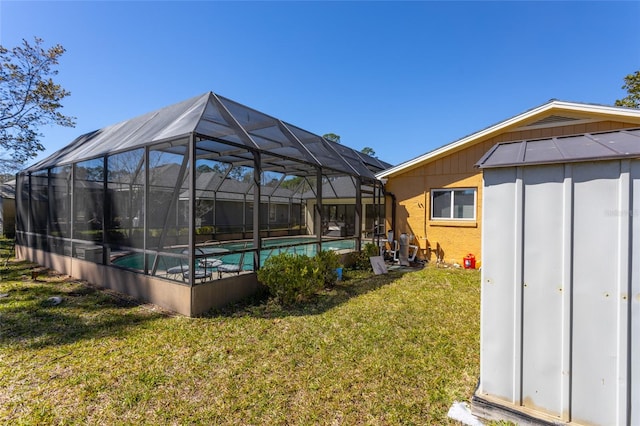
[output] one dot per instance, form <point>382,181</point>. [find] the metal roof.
<point>585,147</point>
<point>226,131</point>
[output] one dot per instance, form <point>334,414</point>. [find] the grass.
<point>378,350</point>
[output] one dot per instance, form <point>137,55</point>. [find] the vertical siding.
<point>410,210</point>
<point>544,246</point>
<point>498,310</point>
<point>457,239</point>
<point>595,307</point>
<point>633,296</point>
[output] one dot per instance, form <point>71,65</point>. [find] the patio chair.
<point>202,271</point>
<point>199,274</point>
<point>413,251</point>
<point>177,271</point>
<point>231,267</point>
<point>395,251</point>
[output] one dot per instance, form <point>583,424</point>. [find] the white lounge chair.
<point>231,268</point>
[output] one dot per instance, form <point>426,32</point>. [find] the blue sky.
<point>400,77</point>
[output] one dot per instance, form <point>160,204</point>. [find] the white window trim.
<point>475,204</point>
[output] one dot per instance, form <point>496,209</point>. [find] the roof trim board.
<point>528,117</point>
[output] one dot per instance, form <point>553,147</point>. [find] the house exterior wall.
<point>457,238</point>
<point>413,210</point>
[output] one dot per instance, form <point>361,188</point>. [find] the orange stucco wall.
<point>413,209</point>
<point>412,190</point>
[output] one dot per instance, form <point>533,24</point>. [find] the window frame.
<point>452,191</point>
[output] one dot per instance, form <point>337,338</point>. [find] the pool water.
<point>270,247</point>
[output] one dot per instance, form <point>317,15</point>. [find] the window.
<point>449,204</point>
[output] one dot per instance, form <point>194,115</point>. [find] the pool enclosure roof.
<point>226,131</point>
<point>585,147</point>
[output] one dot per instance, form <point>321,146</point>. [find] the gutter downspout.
<point>393,210</point>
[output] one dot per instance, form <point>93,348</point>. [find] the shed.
<point>560,310</point>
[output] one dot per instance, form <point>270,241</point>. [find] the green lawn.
<point>375,350</point>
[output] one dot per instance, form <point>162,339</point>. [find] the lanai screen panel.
<point>40,203</point>
<point>126,188</point>
<point>322,150</point>
<point>372,163</point>
<point>60,201</point>
<point>353,159</point>
<point>89,207</point>
<point>168,175</point>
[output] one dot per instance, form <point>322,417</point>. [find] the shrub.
<point>205,230</point>
<point>328,261</point>
<point>291,278</point>
<point>362,258</point>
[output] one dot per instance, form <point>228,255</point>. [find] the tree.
<point>332,137</point>
<point>632,86</point>
<point>369,151</point>
<point>29,99</point>
<point>8,168</point>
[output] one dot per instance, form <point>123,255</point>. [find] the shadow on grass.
<point>354,284</point>
<point>57,310</point>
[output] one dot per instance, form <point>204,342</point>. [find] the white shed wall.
<point>498,350</point>
<point>544,285</point>
<point>634,299</point>
<point>560,316</point>
<point>597,312</point>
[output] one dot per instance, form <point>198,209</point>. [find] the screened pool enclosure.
<point>180,206</point>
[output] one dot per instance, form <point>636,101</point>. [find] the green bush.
<point>291,278</point>
<point>204,230</point>
<point>328,261</point>
<point>362,258</point>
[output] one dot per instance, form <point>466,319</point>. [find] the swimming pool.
<point>234,253</point>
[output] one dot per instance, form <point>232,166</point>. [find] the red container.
<point>469,261</point>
